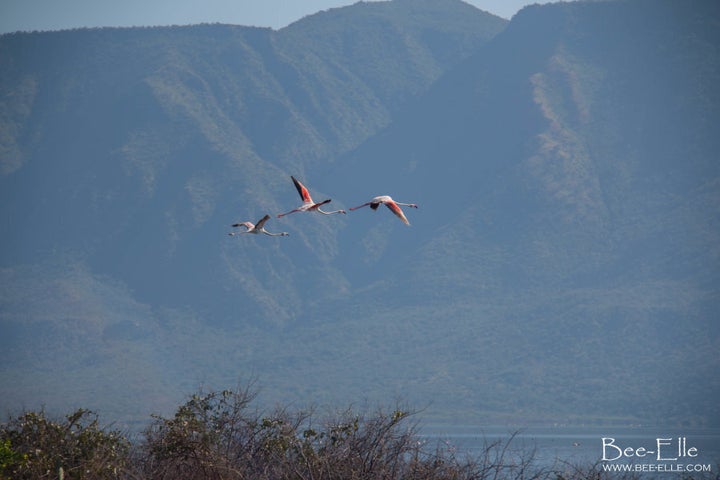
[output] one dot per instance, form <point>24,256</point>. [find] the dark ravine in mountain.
<point>562,266</point>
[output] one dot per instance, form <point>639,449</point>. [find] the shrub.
<point>208,438</point>
<point>218,436</point>
<point>33,446</point>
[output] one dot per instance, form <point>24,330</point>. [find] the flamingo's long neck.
<point>330,213</point>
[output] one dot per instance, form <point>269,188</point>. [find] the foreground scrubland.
<point>223,435</point>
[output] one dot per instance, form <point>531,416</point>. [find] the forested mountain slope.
<point>563,263</point>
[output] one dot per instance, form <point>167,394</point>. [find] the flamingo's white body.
<point>257,228</point>
<point>391,204</point>
<point>308,204</point>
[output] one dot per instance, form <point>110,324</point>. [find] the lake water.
<point>661,451</point>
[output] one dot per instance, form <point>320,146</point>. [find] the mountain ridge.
<point>556,226</point>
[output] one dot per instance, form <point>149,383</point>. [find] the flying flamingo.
<point>391,204</point>
<point>308,204</point>
<point>257,228</point>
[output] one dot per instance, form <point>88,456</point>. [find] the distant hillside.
<point>157,139</point>
<point>562,266</point>
<point>567,173</point>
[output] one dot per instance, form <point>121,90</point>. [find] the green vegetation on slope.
<point>563,263</point>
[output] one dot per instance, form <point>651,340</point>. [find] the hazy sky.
<point>31,15</point>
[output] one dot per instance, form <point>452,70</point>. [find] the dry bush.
<point>36,447</point>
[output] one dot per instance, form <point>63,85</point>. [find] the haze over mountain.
<point>562,266</point>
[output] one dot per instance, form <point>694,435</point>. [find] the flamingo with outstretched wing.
<point>308,204</point>
<point>390,203</point>
<point>257,228</point>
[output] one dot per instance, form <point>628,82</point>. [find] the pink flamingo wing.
<point>304,193</point>
<point>262,221</point>
<point>248,225</point>
<point>315,206</point>
<point>397,211</point>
